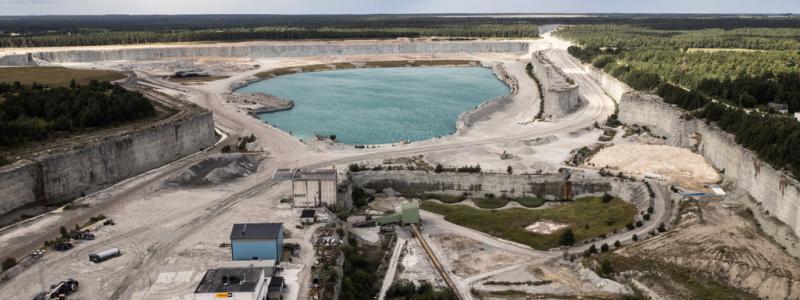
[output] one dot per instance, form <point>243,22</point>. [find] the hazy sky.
<point>44,7</point>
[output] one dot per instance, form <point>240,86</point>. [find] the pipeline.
<point>436,263</point>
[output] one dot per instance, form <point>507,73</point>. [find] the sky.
<point>93,7</point>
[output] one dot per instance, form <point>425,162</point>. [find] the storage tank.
<point>104,255</point>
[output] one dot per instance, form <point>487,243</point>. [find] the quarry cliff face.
<point>47,179</point>
<point>256,50</point>
<point>776,191</point>
<point>548,186</point>
<point>560,92</point>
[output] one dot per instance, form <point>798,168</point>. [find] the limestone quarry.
<point>176,186</point>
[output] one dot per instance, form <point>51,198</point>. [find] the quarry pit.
<point>173,219</point>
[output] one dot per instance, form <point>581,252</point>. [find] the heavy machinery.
<point>59,291</point>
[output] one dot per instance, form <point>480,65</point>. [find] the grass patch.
<point>56,76</point>
<point>530,202</point>
<point>587,217</point>
<point>694,285</point>
<point>490,203</point>
<point>370,64</point>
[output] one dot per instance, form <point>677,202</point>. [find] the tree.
<point>510,170</point>
<point>650,210</point>
<point>605,267</point>
<point>332,137</point>
<point>567,238</point>
<point>617,244</point>
<point>64,232</point>
<point>438,169</point>
<point>604,247</point>
<point>662,228</point>
<point>607,198</point>
<point>635,237</point>
<point>592,249</point>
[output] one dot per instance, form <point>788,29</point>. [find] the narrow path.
<point>391,271</point>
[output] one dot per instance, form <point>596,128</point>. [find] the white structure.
<point>233,283</point>
<point>797,116</point>
<point>310,189</point>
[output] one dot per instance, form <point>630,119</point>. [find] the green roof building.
<point>408,214</point>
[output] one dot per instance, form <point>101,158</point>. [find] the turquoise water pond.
<point>378,105</point>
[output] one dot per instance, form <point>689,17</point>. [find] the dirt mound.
<point>215,170</point>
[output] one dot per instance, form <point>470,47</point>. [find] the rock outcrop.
<point>256,50</point>
<point>560,92</point>
<point>48,179</point>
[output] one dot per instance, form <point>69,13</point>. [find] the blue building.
<point>257,241</point>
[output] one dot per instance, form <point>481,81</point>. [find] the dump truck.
<point>104,255</point>
<point>59,291</point>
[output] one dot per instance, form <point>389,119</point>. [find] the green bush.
<point>9,263</point>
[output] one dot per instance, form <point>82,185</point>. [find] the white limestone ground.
<point>671,163</point>
<point>545,227</point>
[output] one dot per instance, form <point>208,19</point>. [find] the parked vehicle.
<point>63,246</point>
<point>104,255</point>
<point>38,253</point>
<point>59,291</point>
<point>83,236</point>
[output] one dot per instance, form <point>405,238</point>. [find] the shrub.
<point>605,267</point>
<point>607,198</point>
<point>9,263</point>
<point>604,248</point>
<point>567,238</point>
<point>439,168</point>
<point>662,228</point>
<point>592,249</point>
<point>510,170</point>
<point>635,237</point>
<point>226,149</point>
<point>617,244</point>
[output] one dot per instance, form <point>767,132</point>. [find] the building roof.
<point>308,213</point>
<point>256,231</point>
<point>304,175</point>
<point>276,282</point>
<point>230,280</point>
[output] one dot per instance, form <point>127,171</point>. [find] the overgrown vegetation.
<point>685,283</point>
<point>653,61</point>
<point>36,112</point>
<point>406,290</point>
<point>586,217</point>
<point>360,265</point>
<point>55,76</point>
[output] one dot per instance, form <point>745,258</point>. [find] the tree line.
<point>266,33</point>
<point>35,112</point>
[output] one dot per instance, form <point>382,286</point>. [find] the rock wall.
<point>661,118</point>
<point>487,108</point>
<point>777,192</point>
<point>549,186</point>
<point>56,178</point>
<point>266,50</point>
<point>613,87</point>
<point>19,60</point>
<point>560,91</point>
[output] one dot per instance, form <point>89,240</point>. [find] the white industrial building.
<point>310,188</point>
<point>240,280</point>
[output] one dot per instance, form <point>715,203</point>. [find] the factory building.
<point>257,241</point>
<point>239,280</point>
<point>310,188</point>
